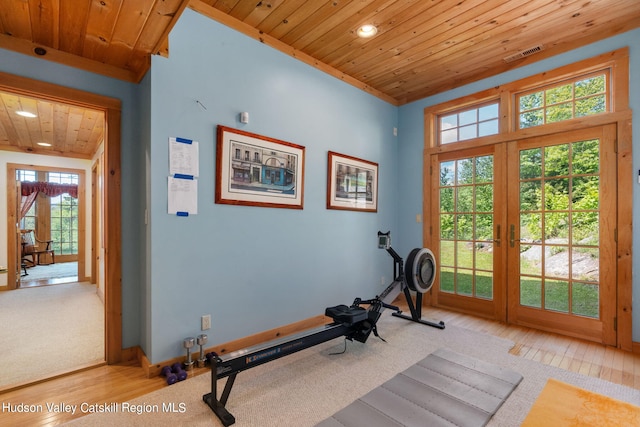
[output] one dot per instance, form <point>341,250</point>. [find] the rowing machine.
<point>354,323</point>
<point>421,273</point>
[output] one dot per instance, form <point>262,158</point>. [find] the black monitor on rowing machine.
<point>384,240</point>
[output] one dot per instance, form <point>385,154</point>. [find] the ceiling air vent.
<point>524,53</point>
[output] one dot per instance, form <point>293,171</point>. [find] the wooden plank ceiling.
<point>423,47</point>
<point>69,130</point>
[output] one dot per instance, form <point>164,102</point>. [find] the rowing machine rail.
<point>356,323</point>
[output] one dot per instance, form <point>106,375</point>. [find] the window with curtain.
<point>57,193</point>
<point>28,220</point>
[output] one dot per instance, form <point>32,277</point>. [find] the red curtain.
<point>30,190</point>
<point>49,189</point>
<point>27,201</point>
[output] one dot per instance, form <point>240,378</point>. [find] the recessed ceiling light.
<point>44,144</point>
<point>367,31</point>
<point>25,114</point>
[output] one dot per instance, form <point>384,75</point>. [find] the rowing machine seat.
<point>346,315</point>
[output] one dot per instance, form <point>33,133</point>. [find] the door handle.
<point>512,236</point>
<point>497,241</point>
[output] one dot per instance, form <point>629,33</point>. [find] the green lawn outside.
<point>584,299</point>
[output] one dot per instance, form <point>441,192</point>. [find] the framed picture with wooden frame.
<point>255,170</point>
<point>352,183</point>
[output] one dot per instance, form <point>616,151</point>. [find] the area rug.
<point>51,271</point>
<point>443,389</point>
<point>305,388</point>
<point>564,405</point>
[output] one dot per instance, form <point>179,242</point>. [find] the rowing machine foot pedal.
<point>346,315</point>
<point>218,408</point>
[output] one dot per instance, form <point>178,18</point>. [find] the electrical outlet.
<point>205,322</point>
<point>382,280</point>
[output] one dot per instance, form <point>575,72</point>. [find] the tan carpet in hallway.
<point>49,330</point>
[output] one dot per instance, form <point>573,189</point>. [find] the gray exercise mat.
<point>443,389</point>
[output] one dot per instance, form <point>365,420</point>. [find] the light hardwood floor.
<point>119,383</point>
<point>47,282</point>
<point>26,281</point>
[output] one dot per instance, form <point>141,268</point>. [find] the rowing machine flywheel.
<point>420,270</point>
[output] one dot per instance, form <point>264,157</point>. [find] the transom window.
<point>469,123</point>
<point>24,175</point>
<point>583,96</point>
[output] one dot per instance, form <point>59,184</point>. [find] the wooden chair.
<point>32,247</point>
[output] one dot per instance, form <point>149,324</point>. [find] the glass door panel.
<point>464,191</point>
<point>561,189</point>
<point>466,226</point>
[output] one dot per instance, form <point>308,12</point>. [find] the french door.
<point>562,221</point>
<point>468,217</point>
<point>525,232</point>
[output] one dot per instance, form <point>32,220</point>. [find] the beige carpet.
<point>49,330</point>
<point>304,388</point>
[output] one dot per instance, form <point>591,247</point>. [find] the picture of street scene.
<point>255,168</point>
<point>354,183</point>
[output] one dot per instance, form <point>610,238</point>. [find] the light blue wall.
<point>411,140</point>
<point>256,268</point>
<point>132,168</point>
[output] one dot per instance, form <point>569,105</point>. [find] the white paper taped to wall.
<point>183,196</point>
<point>183,157</point>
